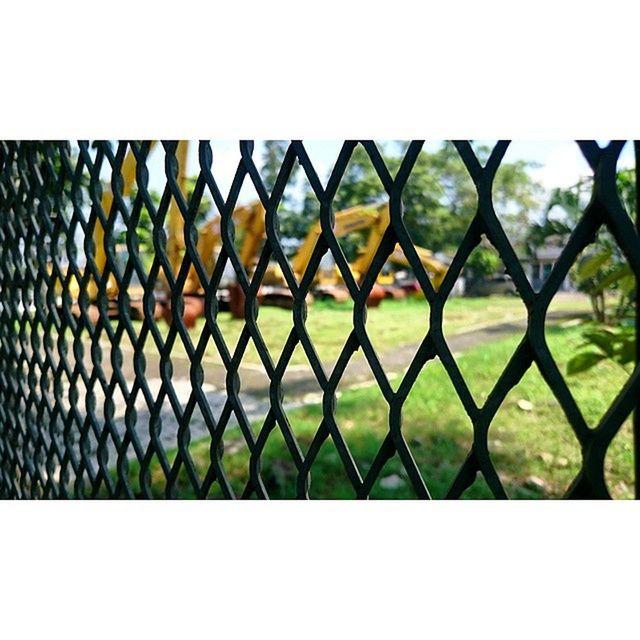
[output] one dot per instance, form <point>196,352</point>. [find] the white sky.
<point>561,162</point>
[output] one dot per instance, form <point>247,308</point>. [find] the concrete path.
<point>299,384</point>
<point>299,381</point>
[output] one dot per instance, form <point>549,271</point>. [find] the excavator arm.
<point>379,226</point>
<point>433,267</point>
<point>361,264</point>
<point>175,223</point>
<point>346,221</point>
<point>129,176</point>
<point>249,219</point>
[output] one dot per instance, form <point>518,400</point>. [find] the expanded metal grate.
<point>79,416</point>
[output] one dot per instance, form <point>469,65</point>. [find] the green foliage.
<point>602,272</point>
<point>482,263</point>
<point>438,431</point>
<point>516,197</point>
<point>584,361</point>
<point>439,198</point>
<point>272,158</point>
<point>617,344</point>
<point>592,265</point>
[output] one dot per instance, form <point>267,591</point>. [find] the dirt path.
<point>300,381</point>
<point>299,384</point>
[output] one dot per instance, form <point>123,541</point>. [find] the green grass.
<point>534,451</point>
<point>394,323</point>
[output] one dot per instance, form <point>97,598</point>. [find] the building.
<point>539,265</point>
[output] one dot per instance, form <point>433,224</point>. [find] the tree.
<point>602,269</point>
<point>603,272</point>
<point>440,198</point>
<point>293,220</point>
<point>516,196</point>
<point>483,262</point>
<point>272,158</point>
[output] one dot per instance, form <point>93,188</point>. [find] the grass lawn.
<point>534,450</point>
<point>394,323</point>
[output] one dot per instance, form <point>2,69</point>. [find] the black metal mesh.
<point>77,411</point>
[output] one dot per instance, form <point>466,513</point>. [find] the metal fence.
<point>79,416</point>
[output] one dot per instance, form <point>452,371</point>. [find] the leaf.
<point>626,352</point>
<point>619,273</point>
<point>591,265</point>
<point>584,361</point>
<point>628,283</point>
<point>604,340</point>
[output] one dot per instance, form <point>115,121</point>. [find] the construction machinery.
<point>135,292</point>
<point>436,269</point>
<point>248,220</point>
<point>360,266</point>
<point>329,284</point>
<point>74,285</point>
<point>175,238</point>
<point>325,285</point>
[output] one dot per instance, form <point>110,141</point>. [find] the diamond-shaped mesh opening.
<point>278,470</point>
<point>322,155</point>
<point>618,464</point>
<point>439,200</point>
<point>300,386</point>
<point>534,450</point>
<point>248,229</point>
<point>491,312</point>
<point>296,214</point>
<point>362,419</point>
<point>329,325</point>
<point>436,427</point>
<point>392,482</point>
<point>230,331</point>
<point>275,325</point>
<point>330,480</point>
<point>396,329</point>
<point>359,220</point>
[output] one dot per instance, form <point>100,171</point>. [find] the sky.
<point>557,163</point>
<point>561,163</point>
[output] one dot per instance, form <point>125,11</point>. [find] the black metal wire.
<point>62,360</point>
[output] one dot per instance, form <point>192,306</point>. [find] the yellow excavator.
<point>360,266</point>
<point>248,220</point>
<point>434,268</point>
<point>325,285</point>
<point>175,237</point>
<point>329,285</point>
<point>175,245</point>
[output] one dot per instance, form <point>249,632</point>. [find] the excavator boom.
<point>249,220</point>
<point>346,221</point>
<point>129,166</point>
<point>436,269</point>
